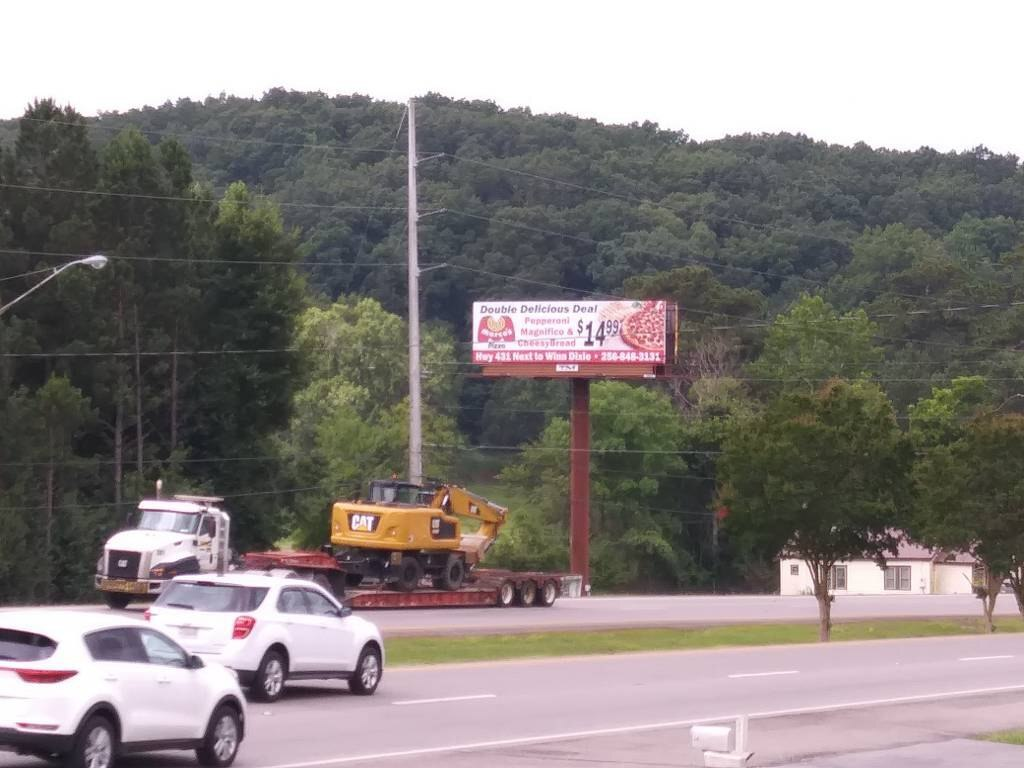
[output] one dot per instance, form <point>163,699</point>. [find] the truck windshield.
<point>165,520</point>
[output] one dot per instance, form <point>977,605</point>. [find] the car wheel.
<point>95,745</point>
<point>270,677</point>
<point>223,736</point>
<point>368,671</point>
<point>116,600</point>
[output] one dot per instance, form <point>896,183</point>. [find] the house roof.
<point>909,550</point>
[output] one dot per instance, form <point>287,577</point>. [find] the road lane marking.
<point>410,702</point>
<point>553,737</point>
<point>765,674</point>
<point>983,658</point>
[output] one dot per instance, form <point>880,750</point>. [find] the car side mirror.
<point>345,611</point>
<point>194,662</point>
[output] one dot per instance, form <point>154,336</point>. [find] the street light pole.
<point>97,261</point>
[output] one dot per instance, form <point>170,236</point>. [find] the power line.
<point>199,200</point>
<point>192,136</point>
<point>189,260</point>
<point>113,505</point>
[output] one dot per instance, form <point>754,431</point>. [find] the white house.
<point>914,570</point>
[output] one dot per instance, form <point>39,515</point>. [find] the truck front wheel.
<point>116,600</point>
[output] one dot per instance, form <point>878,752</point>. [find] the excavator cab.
<point>397,492</point>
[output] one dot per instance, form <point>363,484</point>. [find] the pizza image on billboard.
<point>645,329</point>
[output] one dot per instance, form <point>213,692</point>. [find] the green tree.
<point>812,343</point>
<point>820,477</point>
<point>970,498</point>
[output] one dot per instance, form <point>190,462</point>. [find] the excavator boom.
<point>460,502</point>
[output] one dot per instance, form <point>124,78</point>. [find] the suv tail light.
<point>243,626</point>
<point>42,675</point>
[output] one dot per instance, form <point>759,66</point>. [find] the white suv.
<point>269,629</point>
<point>88,687</point>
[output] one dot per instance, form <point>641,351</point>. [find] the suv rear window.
<point>16,645</point>
<point>211,596</point>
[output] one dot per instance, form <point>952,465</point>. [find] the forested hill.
<point>780,214</point>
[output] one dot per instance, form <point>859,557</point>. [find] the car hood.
<point>147,541</point>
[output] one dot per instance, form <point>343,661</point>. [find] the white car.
<point>89,687</point>
<point>269,629</point>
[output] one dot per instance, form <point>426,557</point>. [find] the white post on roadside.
<point>415,400</point>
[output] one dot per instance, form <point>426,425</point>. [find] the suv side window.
<point>320,605</point>
<point>121,644</point>
<point>292,601</point>
<point>161,650</point>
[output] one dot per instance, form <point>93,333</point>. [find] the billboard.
<point>570,333</point>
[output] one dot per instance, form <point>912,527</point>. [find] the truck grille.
<point>130,567</point>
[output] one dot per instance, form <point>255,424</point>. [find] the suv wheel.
<point>95,745</point>
<point>368,671</point>
<point>223,734</point>
<point>270,677</point>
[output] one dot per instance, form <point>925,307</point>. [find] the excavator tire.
<point>454,574</point>
<point>409,574</point>
<point>527,593</point>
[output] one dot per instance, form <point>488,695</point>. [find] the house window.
<point>837,577</point>
<point>897,578</point>
<point>794,570</point>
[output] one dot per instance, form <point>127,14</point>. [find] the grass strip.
<point>408,651</point>
<point>1015,737</point>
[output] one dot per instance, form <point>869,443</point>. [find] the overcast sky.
<point>900,73</point>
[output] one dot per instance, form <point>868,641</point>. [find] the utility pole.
<point>415,400</point>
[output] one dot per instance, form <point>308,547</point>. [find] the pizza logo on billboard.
<point>645,329</point>
<point>496,329</point>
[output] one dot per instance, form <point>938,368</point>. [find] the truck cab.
<point>183,534</point>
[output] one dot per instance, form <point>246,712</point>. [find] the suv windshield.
<point>16,645</point>
<point>210,596</point>
<point>165,520</point>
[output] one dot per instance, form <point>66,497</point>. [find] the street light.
<point>96,261</point>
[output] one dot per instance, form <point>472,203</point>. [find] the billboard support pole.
<point>415,403</point>
<point>579,482</point>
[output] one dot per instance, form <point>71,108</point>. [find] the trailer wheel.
<point>547,595</point>
<point>409,574</point>
<point>506,594</point>
<point>527,592</point>
<point>453,575</point>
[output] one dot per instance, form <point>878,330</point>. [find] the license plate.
<point>121,585</point>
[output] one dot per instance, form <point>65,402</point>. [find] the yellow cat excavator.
<point>403,532</point>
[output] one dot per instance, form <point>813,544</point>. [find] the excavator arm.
<point>455,500</point>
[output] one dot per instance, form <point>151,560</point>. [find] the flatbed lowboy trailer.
<point>483,586</point>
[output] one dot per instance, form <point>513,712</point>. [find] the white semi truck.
<point>183,534</point>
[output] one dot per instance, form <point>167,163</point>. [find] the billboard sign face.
<point>570,333</point>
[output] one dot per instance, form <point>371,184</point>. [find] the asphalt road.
<point>424,713</point>
<point>627,612</point>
